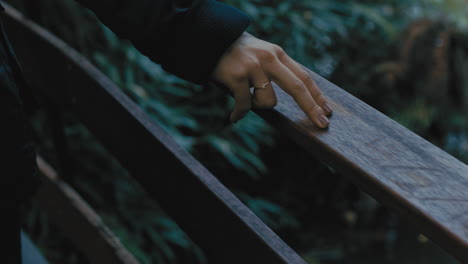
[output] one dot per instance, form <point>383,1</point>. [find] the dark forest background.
<point>408,59</point>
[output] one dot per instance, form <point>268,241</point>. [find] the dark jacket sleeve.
<point>187,37</point>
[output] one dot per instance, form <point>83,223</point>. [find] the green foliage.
<point>309,30</point>
<point>271,214</point>
<point>121,202</point>
<point>356,44</point>
<point>193,115</point>
<point>453,10</point>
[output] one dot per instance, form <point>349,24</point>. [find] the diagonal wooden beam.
<point>209,213</point>
<point>422,182</point>
<point>78,221</point>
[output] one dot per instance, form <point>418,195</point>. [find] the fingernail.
<point>327,108</point>
<point>324,120</point>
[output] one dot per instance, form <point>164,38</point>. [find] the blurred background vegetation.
<point>408,59</point>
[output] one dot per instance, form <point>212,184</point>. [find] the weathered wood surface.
<point>65,207</point>
<point>213,217</point>
<point>422,182</point>
<point>399,168</point>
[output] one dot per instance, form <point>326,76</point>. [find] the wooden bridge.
<point>421,182</point>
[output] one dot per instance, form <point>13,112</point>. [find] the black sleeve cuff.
<point>192,44</point>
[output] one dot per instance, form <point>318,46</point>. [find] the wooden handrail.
<point>65,207</point>
<point>226,230</point>
<point>399,168</point>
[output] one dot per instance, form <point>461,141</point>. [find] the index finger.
<point>295,87</point>
<point>303,75</point>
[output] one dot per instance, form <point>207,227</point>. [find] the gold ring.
<point>263,86</point>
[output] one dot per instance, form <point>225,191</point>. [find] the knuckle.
<point>278,50</point>
<point>305,76</point>
<point>312,109</point>
<point>315,110</point>
<point>320,97</point>
<point>239,73</point>
<point>297,87</point>
<point>252,64</point>
<point>266,55</point>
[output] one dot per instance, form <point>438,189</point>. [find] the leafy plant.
<point>367,47</point>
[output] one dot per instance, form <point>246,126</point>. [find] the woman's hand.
<point>251,62</point>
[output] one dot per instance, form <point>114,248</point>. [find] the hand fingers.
<point>295,87</point>
<point>305,77</point>
<point>263,96</point>
<point>243,98</point>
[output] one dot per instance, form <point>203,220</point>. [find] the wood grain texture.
<point>396,166</point>
<point>213,217</point>
<point>78,221</point>
<point>399,168</point>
